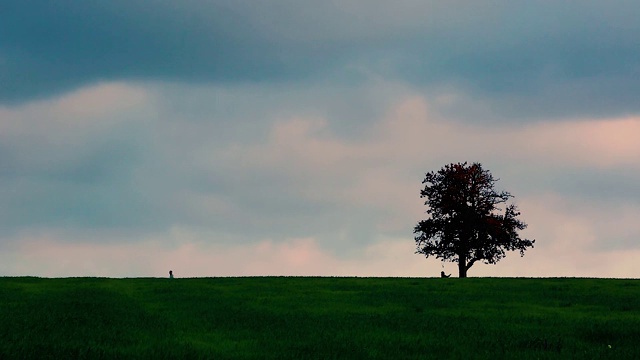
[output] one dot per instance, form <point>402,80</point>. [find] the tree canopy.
<point>467,223</point>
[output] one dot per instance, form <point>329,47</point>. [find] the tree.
<point>466,222</point>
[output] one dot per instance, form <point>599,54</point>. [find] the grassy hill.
<point>319,318</point>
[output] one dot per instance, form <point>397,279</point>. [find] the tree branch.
<point>471,262</point>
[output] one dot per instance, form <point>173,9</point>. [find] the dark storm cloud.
<point>50,47</point>
<point>545,58</point>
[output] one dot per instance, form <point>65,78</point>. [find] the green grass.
<point>319,318</point>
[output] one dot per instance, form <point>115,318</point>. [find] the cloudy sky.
<point>287,137</point>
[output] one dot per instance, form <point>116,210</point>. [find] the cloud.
<point>138,173</point>
<point>603,144</point>
<point>69,161</point>
<point>525,61</point>
<point>574,238</point>
<point>185,253</point>
<point>565,248</point>
<point>379,173</point>
<point>412,136</point>
<point>301,131</point>
<point>75,116</point>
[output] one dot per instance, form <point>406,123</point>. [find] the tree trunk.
<point>462,269</point>
<point>462,266</point>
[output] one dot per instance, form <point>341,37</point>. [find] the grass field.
<point>319,318</point>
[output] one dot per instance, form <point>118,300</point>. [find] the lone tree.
<point>466,223</point>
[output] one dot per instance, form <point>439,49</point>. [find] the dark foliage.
<point>466,222</point>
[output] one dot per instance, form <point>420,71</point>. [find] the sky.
<point>287,137</point>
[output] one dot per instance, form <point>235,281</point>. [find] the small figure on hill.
<point>443,275</point>
<point>170,274</point>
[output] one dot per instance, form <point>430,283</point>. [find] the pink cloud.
<point>570,240</point>
<point>383,168</point>
<point>49,255</point>
<point>603,143</point>
<point>564,250</point>
<point>376,171</point>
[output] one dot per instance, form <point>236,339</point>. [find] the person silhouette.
<point>170,274</point>
<point>442,275</point>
